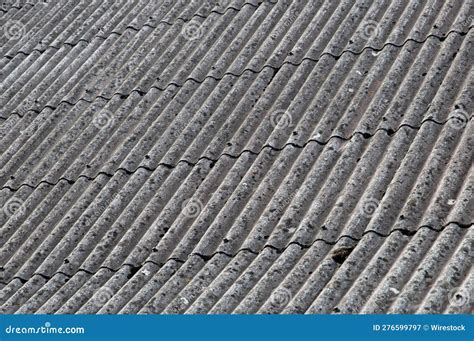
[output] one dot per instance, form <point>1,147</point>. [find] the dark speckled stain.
<point>341,254</point>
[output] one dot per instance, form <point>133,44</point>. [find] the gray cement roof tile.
<point>293,157</point>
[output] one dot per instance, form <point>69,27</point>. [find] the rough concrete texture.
<point>236,156</point>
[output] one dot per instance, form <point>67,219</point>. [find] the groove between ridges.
<point>389,132</point>
<point>136,268</point>
<point>135,29</point>
<point>178,85</point>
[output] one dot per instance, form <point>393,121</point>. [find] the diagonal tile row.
<point>399,274</point>
<point>384,184</point>
<point>99,54</point>
<point>292,105</point>
<point>247,39</point>
<point>280,162</point>
<point>85,20</point>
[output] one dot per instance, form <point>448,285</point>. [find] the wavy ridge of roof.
<point>237,157</point>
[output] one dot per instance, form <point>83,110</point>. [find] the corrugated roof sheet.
<point>236,156</point>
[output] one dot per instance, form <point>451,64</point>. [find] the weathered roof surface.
<point>236,156</point>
